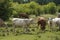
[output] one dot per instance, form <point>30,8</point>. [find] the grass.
<point>33,34</point>
<point>43,36</point>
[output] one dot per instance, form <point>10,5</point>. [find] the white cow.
<point>56,21</point>
<point>50,22</point>
<point>22,22</point>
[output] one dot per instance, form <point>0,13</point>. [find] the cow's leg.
<point>14,28</point>
<point>28,28</point>
<point>38,23</point>
<point>59,27</point>
<point>50,25</point>
<point>6,28</point>
<point>24,28</point>
<point>42,28</point>
<point>53,26</point>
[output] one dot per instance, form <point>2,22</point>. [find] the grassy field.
<point>47,35</point>
<point>34,34</point>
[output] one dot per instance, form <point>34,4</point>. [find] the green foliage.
<point>1,1</point>
<point>9,8</point>
<point>33,8</point>
<point>42,2</point>
<point>5,10</point>
<point>57,2</point>
<point>29,8</point>
<point>58,8</point>
<point>51,8</point>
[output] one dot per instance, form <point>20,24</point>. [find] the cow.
<point>53,23</point>
<point>23,15</point>
<point>42,22</point>
<point>22,22</point>
<point>50,22</point>
<point>56,21</point>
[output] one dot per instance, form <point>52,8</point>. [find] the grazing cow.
<point>53,22</point>
<point>23,15</point>
<point>50,22</point>
<point>22,22</point>
<point>56,21</point>
<point>42,22</point>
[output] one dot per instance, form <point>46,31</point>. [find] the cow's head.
<point>32,21</point>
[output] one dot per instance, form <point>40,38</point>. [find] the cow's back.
<point>21,22</point>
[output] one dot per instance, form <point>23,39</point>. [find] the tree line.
<point>42,2</point>
<point>8,8</point>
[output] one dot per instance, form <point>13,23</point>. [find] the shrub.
<point>33,8</point>
<point>51,7</point>
<point>5,10</point>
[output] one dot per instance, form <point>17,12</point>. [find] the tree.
<point>5,10</point>
<point>51,8</point>
<point>57,2</point>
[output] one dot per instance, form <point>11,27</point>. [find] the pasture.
<point>34,32</point>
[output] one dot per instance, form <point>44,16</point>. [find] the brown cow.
<point>42,23</point>
<point>23,15</point>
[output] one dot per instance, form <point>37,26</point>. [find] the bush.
<point>29,8</point>
<point>33,8</point>
<point>51,7</point>
<point>5,10</point>
<point>58,8</point>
